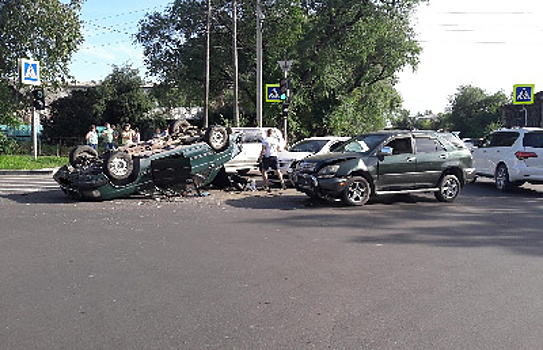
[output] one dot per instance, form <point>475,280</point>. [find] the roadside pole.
<point>285,66</point>
<point>259,85</point>
<point>35,124</point>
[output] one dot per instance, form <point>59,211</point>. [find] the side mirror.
<point>385,151</point>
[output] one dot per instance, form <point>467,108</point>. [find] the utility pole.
<point>285,66</point>
<point>208,45</point>
<point>259,63</point>
<point>235,57</point>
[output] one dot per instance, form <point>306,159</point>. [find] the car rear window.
<point>252,136</point>
<point>533,139</point>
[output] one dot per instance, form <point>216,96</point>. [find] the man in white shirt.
<point>268,158</point>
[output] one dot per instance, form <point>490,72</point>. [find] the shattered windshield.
<point>364,143</point>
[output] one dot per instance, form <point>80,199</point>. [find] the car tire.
<point>216,137</point>
<point>82,154</point>
<point>118,165</point>
<point>357,191</point>
<point>449,188</point>
<point>179,127</point>
<point>501,178</point>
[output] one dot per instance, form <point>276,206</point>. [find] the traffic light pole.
<point>285,66</point>
<point>35,120</point>
<point>285,109</point>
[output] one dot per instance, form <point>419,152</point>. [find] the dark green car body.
<point>388,162</point>
<point>153,164</point>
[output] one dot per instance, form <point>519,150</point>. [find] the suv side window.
<point>427,145</point>
<point>501,139</point>
<point>252,136</point>
<point>401,145</point>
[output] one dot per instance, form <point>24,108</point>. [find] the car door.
<point>431,155</point>
<point>495,147</point>
<point>396,171</point>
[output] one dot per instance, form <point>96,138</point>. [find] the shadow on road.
<point>39,197</point>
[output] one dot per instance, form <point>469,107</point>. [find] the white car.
<point>251,146</point>
<point>511,157</point>
<point>307,147</point>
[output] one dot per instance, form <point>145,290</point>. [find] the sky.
<point>490,44</point>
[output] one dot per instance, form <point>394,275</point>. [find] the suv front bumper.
<point>310,184</point>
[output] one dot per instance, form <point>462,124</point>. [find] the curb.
<point>28,172</point>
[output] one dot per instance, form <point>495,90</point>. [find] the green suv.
<point>388,162</point>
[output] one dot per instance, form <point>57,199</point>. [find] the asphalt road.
<point>258,271</point>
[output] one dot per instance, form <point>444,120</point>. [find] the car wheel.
<point>357,191</point>
<point>178,127</point>
<point>449,188</point>
<point>118,165</point>
<point>82,154</point>
<point>216,137</point>
<point>501,178</point>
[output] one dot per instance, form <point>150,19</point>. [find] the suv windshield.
<point>363,144</point>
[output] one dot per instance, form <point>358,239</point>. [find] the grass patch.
<point>28,162</point>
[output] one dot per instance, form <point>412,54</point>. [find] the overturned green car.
<point>187,158</point>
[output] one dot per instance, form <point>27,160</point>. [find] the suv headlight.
<point>328,171</point>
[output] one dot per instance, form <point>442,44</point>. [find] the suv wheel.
<point>119,165</point>
<point>501,178</point>
<point>449,188</point>
<point>357,191</point>
<point>216,137</point>
<point>82,155</point>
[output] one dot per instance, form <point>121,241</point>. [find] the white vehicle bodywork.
<point>511,156</point>
<point>307,147</point>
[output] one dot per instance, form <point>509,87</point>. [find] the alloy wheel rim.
<point>119,167</point>
<point>450,189</point>
<point>357,192</point>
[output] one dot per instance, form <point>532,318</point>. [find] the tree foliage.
<point>48,31</point>
<point>346,55</point>
<point>472,110</point>
<point>120,99</point>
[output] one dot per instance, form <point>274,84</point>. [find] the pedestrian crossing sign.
<point>523,94</point>
<point>273,93</point>
<point>29,72</point>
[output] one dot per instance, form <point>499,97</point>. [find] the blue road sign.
<point>273,93</point>
<point>30,72</point>
<point>523,94</point>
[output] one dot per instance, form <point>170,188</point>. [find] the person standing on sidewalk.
<point>92,137</point>
<point>107,136</point>
<point>127,136</point>
<point>268,158</point>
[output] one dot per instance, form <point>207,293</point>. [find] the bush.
<point>8,145</point>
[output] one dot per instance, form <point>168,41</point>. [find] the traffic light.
<point>39,98</point>
<point>283,89</point>
<point>284,109</point>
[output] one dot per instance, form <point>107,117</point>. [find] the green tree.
<point>71,116</point>
<point>118,100</point>
<point>472,110</point>
<point>45,30</point>
<point>122,97</point>
<point>340,49</point>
